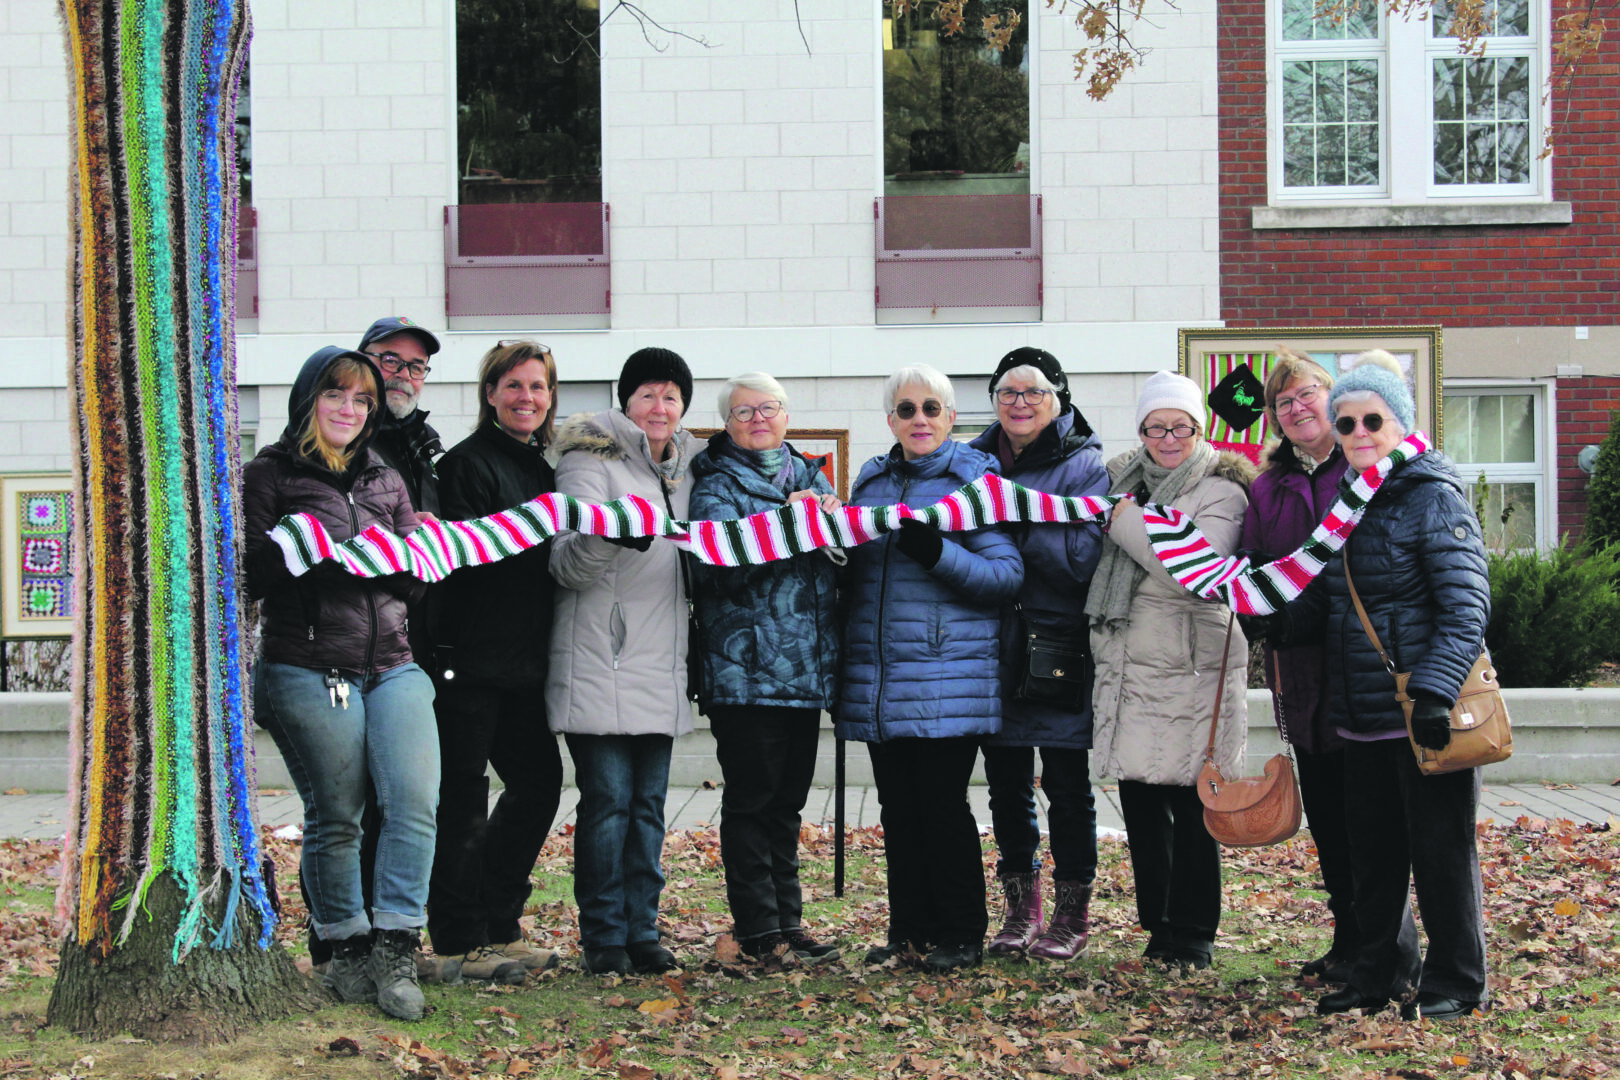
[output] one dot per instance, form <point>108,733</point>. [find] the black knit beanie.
<point>655,365</point>
<point>1041,360</point>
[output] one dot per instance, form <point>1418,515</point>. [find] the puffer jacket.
<point>494,621</point>
<point>1158,671</point>
<point>1064,459</point>
<point>1419,562</point>
<point>618,639</point>
<point>1285,506</point>
<point>327,618</point>
<point>770,634</point>
<point>409,446</point>
<point>921,647</point>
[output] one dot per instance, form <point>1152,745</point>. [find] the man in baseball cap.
<point>406,441</point>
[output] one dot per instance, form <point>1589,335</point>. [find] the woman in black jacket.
<point>335,684</point>
<point>493,638</point>
<point>1418,564</point>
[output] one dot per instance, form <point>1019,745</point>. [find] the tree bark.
<point>209,997</point>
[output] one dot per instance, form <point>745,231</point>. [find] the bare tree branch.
<point>644,20</point>
<point>799,21</point>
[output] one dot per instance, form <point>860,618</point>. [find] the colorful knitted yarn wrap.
<point>440,547</point>
<point>161,779</point>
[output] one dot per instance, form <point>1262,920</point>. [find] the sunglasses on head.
<point>1344,425</point>
<point>907,409</point>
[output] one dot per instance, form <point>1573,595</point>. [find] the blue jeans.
<point>1072,810</point>
<point>387,733</point>
<point>619,836</point>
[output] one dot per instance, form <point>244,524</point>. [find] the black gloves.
<point>1259,627</point>
<point>921,541</point>
<point>1431,722</point>
<point>634,543</point>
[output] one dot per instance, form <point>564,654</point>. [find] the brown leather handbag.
<point>1480,732</point>
<point>1250,811</point>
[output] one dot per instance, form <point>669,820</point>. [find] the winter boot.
<point>1068,934</point>
<point>348,973</point>
<point>393,969</point>
<point>1022,924</point>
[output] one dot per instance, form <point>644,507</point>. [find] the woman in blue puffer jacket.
<point>921,677</point>
<point>769,649</point>
<point>1042,442</point>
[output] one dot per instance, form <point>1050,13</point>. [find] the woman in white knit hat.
<point>1158,652</point>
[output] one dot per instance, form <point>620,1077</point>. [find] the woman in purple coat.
<point>1285,504</point>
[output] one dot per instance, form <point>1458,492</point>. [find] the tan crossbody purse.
<point>1480,733</point>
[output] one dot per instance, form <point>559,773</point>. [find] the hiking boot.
<point>347,974</point>
<point>1022,923</point>
<point>808,947</point>
<point>482,964</point>
<point>531,957</point>
<point>392,966</point>
<point>773,951</point>
<point>651,958</point>
<point>612,960</point>
<point>1069,933</point>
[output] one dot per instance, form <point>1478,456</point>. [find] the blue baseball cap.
<point>398,324</point>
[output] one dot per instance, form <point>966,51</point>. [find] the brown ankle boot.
<point>1023,920</point>
<point>1069,932</point>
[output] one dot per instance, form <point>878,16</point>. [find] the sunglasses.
<point>1345,425</point>
<point>907,409</point>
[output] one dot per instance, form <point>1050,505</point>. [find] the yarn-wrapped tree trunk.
<point>167,908</point>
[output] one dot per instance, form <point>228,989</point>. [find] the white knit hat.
<point>1167,390</point>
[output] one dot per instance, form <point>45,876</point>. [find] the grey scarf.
<point>1118,575</point>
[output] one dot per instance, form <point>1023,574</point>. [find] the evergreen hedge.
<point>1555,617</point>
<point>1603,493</point>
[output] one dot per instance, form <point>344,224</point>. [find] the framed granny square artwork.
<point>1231,366</point>
<point>36,555</point>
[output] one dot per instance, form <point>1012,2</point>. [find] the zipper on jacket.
<point>371,600</point>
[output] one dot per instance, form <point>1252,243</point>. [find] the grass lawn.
<point>1551,902</point>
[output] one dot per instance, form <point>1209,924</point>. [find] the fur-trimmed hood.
<point>614,436</point>
<point>1229,465</point>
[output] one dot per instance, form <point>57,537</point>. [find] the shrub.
<point>1603,493</point>
<point>1554,617</point>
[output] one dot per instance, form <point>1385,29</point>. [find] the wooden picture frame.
<point>37,560</point>
<point>829,443</point>
<point>1208,355</point>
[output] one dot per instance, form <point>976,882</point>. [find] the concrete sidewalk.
<point>42,817</point>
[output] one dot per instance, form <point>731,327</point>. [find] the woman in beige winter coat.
<point>616,687</point>
<point>1157,650</point>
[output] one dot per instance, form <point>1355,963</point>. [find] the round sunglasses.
<point>907,409</point>
<point>1373,422</point>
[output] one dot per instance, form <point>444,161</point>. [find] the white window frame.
<point>1406,51</point>
<point>1543,472</point>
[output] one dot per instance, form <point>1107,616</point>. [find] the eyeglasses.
<point>1180,431</point>
<point>1303,399</point>
<point>765,410</point>
<point>1346,425</point>
<point>1013,397</point>
<point>393,364</point>
<point>362,403</point>
<point>907,409</point>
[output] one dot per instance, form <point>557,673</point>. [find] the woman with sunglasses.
<point>493,639</point>
<point>1044,443</point>
<point>921,681</point>
<point>1295,491</point>
<point>1418,562</point>
<point>769,651</point>
<point>335,684</point>
<point>1160,652</point>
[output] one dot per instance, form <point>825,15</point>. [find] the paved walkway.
<point>40,817</point>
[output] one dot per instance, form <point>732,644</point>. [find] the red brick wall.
<point>1556,275</point>
<point>1585,407</point>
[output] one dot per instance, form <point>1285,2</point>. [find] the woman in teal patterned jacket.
<point>770,656</point>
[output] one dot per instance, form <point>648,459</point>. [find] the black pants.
<point>930,840</point>
<point>1409,828</point>
<point>1176,864</point>
<point>1321,789</point>
<point>481,857</point>
<point>768,758</point>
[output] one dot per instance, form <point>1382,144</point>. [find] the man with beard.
<point>406,440</point>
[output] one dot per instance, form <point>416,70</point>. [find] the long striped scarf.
<point>438,548</point>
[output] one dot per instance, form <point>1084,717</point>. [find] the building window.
<point>1496,434</point>
<point>528,101</point>
<point>1375,106</point>
<point>956,109</point>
